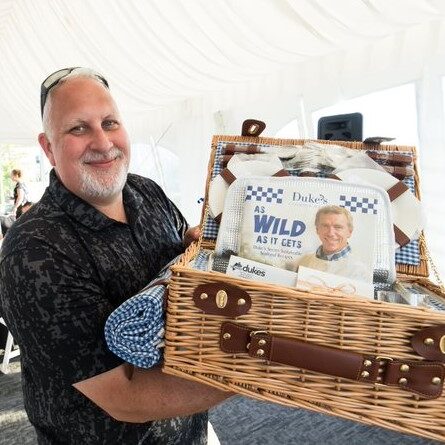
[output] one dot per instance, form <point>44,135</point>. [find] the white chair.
<point>9,351</point>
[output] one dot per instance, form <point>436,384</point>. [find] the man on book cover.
<point>334,226</point>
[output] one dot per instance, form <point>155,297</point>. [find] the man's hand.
<point>192,234</point>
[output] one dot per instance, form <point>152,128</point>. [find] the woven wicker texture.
<point>324,318</point>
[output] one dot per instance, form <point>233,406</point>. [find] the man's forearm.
<point>130,394</point>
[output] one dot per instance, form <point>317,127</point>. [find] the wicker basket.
<point>327,319</point>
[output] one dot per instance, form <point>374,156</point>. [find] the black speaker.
<point>342,127</point>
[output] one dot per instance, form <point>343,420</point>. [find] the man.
<point>95,238</point>
<point>334,226</point>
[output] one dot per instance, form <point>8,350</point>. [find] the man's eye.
<point>78,129</point>
<point>109,124</point>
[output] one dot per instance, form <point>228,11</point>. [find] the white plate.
<point>406,208</point>
<point>240,166</point>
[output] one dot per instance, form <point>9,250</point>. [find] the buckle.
<point>384,357</point>
<point>252,333</point>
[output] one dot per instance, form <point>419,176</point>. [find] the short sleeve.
<point>56,296</point>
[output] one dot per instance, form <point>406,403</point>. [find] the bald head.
<point>78,73</point>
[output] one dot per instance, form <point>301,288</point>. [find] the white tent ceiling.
<point>168,59</point>
<point>199,67</point>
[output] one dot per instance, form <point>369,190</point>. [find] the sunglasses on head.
<point>53,79</point>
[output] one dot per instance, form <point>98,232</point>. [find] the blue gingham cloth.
<point>211,227</point>
<point>135,330</point>
<point>409,253</point>
<point>201,262</point>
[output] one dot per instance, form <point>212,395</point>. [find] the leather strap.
<point>233,148</point>
<point>400,237</point>
<point>398,171</point>
<point>228,176</point>
<point>393,157</point>
<point>423,378</point>
<point>281,173</point>
<point>396,190</point>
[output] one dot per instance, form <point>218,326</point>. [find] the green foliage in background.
<point>7,185</point>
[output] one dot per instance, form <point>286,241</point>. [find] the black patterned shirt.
<point>64,267</point>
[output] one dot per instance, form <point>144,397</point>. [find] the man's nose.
<point>100,140</point>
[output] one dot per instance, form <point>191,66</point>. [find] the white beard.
<point>102,185</point>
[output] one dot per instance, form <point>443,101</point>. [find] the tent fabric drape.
<point>188,57</point>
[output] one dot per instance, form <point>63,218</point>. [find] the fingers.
<point>192,234</point>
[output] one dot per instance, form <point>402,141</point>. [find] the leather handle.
<point>252,127</point>
<point>423,378</point>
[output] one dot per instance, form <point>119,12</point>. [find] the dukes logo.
<point>309,198</point>
<point>249,269</point>
<point>237,266</point>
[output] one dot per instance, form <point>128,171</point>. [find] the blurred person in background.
<point>20,192</point>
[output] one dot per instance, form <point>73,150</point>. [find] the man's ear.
<point>46,146</point>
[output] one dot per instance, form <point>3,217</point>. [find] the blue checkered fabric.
<point>201,262</point>
<point>359,205</point>
<point>211,227</point>
<point>409,254</point>
<point>135,330</point>
<point>264,194</point>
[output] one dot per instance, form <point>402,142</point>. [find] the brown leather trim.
<point>305,355</point>
<point>281,173</point>
<point>396,190</point>
<point>225,159</point>
<point>252,127</point>
<point>228,176</point>
<point>401,238</point>
<point>430,343</point>
<point>222,299</point>
<point>252,149</point>
<point>419,377</point>
<point>231,149</point>
<point>423,378</point>
<point>392,157</point>
<point>218,218</point>
<point>234,338</point>
<point>398,171</point>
